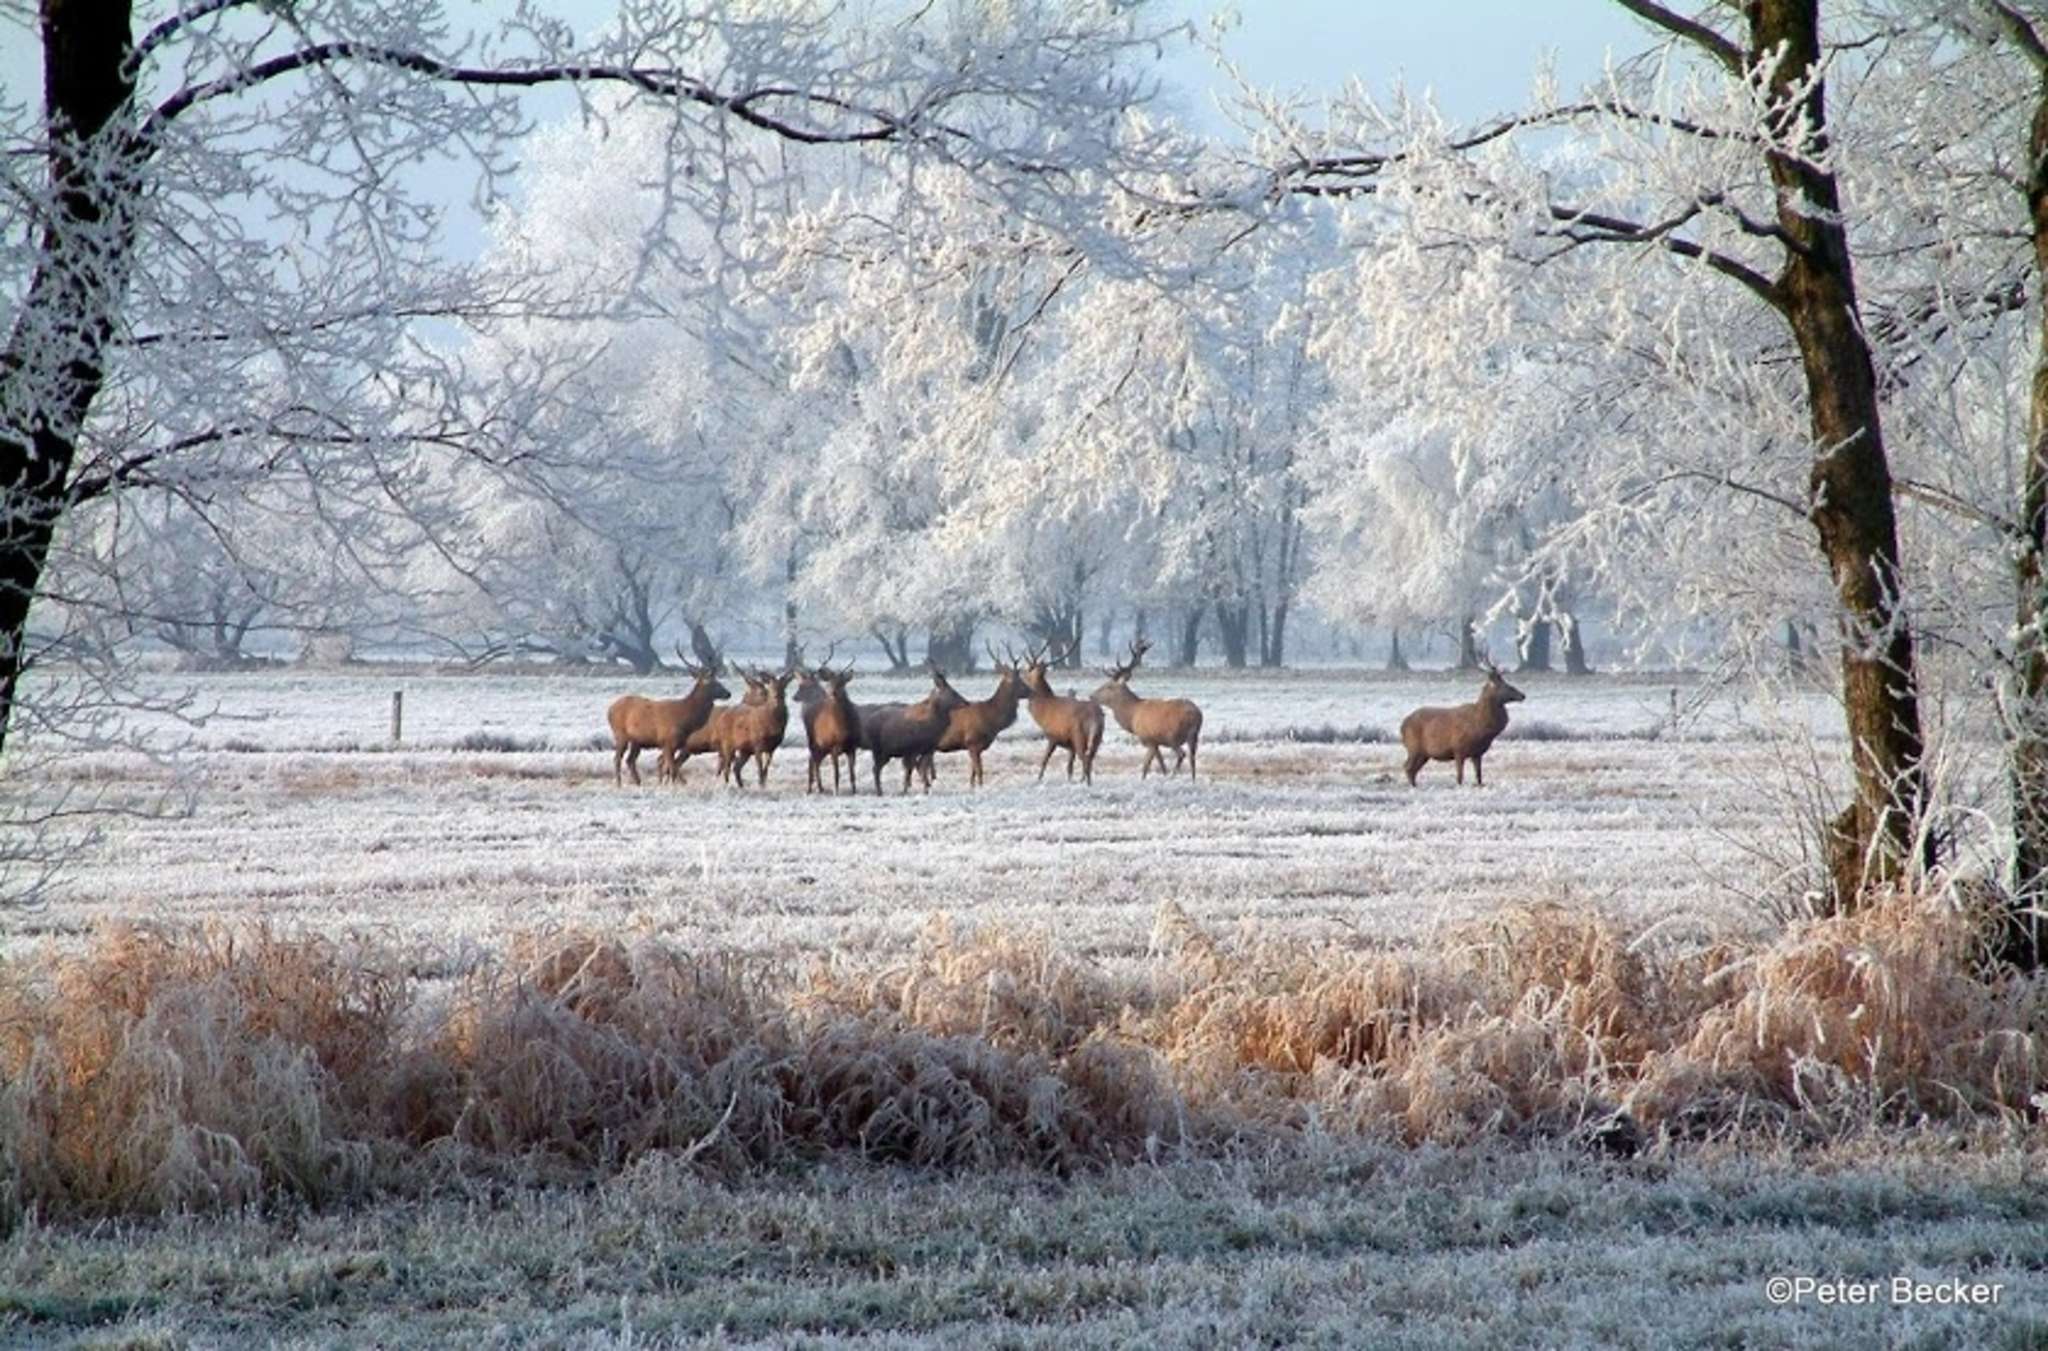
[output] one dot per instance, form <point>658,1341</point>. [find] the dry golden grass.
<point>185,1068</point>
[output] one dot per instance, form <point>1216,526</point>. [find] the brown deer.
<point>831,724</point>
<point>1072,724</point>
<point>1461,733</point>
<point>665,724</point>
<point>1155,722</point>
<point>974,727</point>
<point>911,732</point>
<point>707,738</point>
<point>755,731</point>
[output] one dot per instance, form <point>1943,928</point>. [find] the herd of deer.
<point>944,720</point>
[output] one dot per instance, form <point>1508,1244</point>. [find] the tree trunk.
<point>1104,627</point>
<point>1850,484</point>
<point>1233,624</point>
<point>2023,936</point>
<point>703,649</point>
<point>898,651</point>
<point>792,651</point>
<point>1190,635</point>
<point>1395,661</point>
<point>1275,653</point>
<point>1574,646</point>
<point>54,362</point>
<point>1536,648</point>
<point>1468,646</point>
<point>951,648</point>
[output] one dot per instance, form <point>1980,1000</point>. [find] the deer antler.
<point>1124,672</point>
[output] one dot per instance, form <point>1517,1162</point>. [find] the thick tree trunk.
<point>1275,653</point>
<point>1468,645</point>
<point>1233,625</point>
<point>2023,941</point>
<point>1395,661</point>
<point>702,648</point>
<point>1536,648</point>
<point>1850,485</point>
<point>1574,646</point>
<point>54,362</point>
<point>951,648</point>
<point>1190,635</point>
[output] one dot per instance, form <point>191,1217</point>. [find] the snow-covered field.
<point>1605,806</point>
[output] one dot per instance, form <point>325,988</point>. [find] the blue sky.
<point>1476,56</point>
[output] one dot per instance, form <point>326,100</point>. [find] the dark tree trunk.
<point>1536,647</point>
<point>1104,627</point>
<point>792,651</point>
<point>1468,645</point>
<point>1275,653</point>
<point>951,648</point>
<point>54,362</point>
<point>1190,635</point>
<point>1574,646</point>
<point>1233,625</point>
<point>1850,484</point>
<point>2023,941</point>
<point>896,650</point>
<point>1395,661</point>
<point>703,649</point>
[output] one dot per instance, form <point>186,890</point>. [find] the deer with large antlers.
<point>755,731</point>
<point>910,733</point>
<point>973,727</point>
<point>665,724</point>
<point>1074,725</point>
<point>707,738</point>
<point>831,723</point>
<point>1460,733</point>
<point>1156,723</point>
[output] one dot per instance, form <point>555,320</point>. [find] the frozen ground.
<point>1603,807</point>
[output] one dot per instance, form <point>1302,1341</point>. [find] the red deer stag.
<point>831,724</point>
<point>1154,722</point>
<point>1072,724</point>
<point>665,724</point>
<point>706,739</point>
<point>1461,733</point>
<point>755,731</point>
<point>974,727</point>
<point>911,732</point>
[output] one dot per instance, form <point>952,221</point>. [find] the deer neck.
<point>1123,703</point>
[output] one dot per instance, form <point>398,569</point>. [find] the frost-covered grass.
<point>1311,957</point>
<point>1364,1247</point>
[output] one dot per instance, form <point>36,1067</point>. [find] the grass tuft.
<point>170,1069</point>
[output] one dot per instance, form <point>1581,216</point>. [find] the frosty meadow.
<point>578,372</point>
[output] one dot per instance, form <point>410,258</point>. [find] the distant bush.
<point>187,1068</point>
<point>500,742</point>
<point>1535,729</point>
<point>238,745</point>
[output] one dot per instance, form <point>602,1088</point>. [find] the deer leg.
<point>1050,747</point>
<point>1416,760</point>
<point>1478,777</point>
<point>877,756</point>
<point>1193,746</point>
<point>1180,757</point>
<point>1461,771</point>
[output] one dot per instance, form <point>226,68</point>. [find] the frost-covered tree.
<point>1710,176</point>
<point>213,217</point>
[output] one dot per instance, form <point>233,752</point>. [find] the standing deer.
<point>665,724</point>
<point>974,727</point>
<point>707,738</point>
<point>1154,722</point>
<point>755,731</point>
<point>909,733</point>
<point>1461,733</point>
<point>1075,724</point>
<point>831,724</point>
